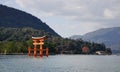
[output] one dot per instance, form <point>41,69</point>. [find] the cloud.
<point>81,8</point>
<point>88,15</point>
<point>41,5</point>
<point>77,16</point>
<point>108,14</point>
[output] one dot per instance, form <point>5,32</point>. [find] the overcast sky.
<point>72,17</point>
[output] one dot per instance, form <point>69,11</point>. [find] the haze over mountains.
<point>109,36</point>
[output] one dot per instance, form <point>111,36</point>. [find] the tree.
<point>108,51</point>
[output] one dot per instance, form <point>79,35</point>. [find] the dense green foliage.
<point>17,40</point>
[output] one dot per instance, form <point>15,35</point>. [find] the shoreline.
<point>49,54</point>
<point>13,54</point>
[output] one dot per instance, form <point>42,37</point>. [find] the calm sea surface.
<point>60,63</point>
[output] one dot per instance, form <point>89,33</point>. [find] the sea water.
<point>60,63</point>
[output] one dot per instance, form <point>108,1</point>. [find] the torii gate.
<point>38,41</point>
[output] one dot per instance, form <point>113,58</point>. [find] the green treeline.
<point>17,40</point>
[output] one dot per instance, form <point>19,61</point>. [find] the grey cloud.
<point>79,10</point>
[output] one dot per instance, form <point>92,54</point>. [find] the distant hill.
<point>10,17</point>
<point>109,36</point>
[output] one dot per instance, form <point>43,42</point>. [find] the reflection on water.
<point>60,63</point>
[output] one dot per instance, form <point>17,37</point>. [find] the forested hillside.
<point>17,40</point>
<point>18,27</point>
<point>10,17</point>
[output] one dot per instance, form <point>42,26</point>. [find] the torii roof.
<point>39,37</point>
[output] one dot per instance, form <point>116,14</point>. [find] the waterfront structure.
<point>38,47</point>
<point>101,53</point>
<point>85,50</point>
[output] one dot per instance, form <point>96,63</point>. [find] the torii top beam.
<point>36,38</point>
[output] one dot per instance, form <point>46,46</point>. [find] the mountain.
<point>109,36</point>
<point>10,17</point>
<point>17,28</point>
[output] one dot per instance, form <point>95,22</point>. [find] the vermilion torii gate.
<point>38,47</point>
